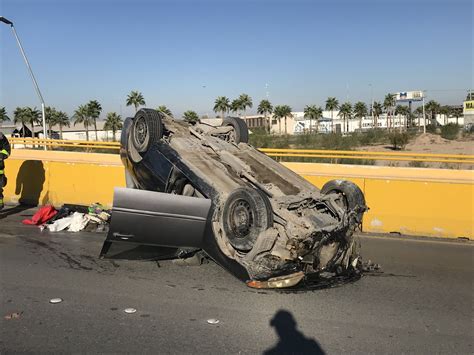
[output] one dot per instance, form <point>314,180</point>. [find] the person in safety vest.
<point>4,154</point>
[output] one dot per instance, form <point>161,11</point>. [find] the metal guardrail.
<point>295,153</point>
<point>364,155</point>
<point>62,143</point>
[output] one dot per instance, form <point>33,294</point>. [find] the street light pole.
<point>35,84</point>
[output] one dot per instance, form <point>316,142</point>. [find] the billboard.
<point>469,106</point>
<point>409,96</point>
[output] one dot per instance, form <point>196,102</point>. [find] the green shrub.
<point>399,140</point>
<point>430,128</point>
<point>450,131</point>
<point>417,164</point>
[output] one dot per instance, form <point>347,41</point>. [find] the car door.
<point>157,219</point>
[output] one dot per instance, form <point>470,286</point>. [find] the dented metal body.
<point>178,197</point>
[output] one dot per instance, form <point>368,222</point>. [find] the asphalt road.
<point>421,303</point>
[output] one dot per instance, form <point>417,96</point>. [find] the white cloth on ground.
<point>75,222</point>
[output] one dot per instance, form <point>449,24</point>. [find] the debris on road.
<point>129,310</point>
<point>55,300</point>
<point>213,321</point>
<point>14,315</point>
<point>43,215</point>
<point>73,218</point>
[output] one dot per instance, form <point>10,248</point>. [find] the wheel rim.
<point>141,131</point>
<point>241,218</point>
<point>342,201</point>
<point>231,136</point>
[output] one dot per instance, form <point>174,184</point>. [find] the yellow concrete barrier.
<point>422,202</point>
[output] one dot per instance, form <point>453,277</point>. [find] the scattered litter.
<point>43,215</point>
<point>14,315</point>
<point>55,300</point>
<point>79,222</point>
<point>60,224</point>
<point>130,310</point>
<point>213,321</point>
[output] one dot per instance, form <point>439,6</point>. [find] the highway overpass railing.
<point>331,156</point>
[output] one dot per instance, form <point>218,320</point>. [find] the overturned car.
<point>193,188</point>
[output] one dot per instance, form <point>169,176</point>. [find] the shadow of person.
<point>13,210</point>
<point>291,340</point>
<point>29,182</point>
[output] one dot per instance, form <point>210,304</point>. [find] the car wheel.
<point>147,129</point>
<point>351,195</point>
<point>246,214</point>
<point>240,132</point>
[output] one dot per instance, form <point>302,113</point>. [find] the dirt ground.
<point>429,143</point>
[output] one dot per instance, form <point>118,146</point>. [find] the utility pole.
<point>35,84</point>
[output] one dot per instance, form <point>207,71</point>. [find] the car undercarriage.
<point>203,187</point>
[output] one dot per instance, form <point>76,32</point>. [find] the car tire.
<point>147,128</point>
<point>240,132</point>
<point>246,214</point>
<point>351,193</point>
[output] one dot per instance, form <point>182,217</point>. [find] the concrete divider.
<point>412,201</point>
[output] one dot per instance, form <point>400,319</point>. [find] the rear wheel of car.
<point>147,128</point>
<point>351,195</point>
<point>240,132</point>
<point>246,214</point>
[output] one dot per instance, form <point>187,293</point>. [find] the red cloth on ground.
<point>43,215</point>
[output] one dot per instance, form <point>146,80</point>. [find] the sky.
<point>185,53</point>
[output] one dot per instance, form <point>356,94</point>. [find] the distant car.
<point>202,187</point>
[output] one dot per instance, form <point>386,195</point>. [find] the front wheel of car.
<point>246,214</point>
<point>240,131</point>
<point>351,196</point>
<point>147,128</point>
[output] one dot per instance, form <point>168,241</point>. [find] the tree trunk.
<point>95,128</point>
<point>61,131</point>
<point>286,128</point>
<point>332,122</point>
<point>87,132</point>
<point>113,134</point>
<point>310,125</point>
<point>279,125</point>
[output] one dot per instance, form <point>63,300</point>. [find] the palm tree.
<point>236,107</point>
<point>34,116</point>
<point>136,99</point>
<point>165,110</point>
<point>377,109</point>
<point>433,108</point>
<point>331,105</point>
<point>113,123</point>
<point>457,111</point>
<point>50,117</point>
<point>388,103</point>
<point>264,108</point>
<point>282,111</point>
<point>345,111</point>
<point>94,109</point>
<point>446,111</point>
<point>313,113</point>
<point>81,115</point>
<point>419,113</point>
<point>3,115</point>
<point>401,111</point>
<point>62,120</point>
<point>191,117</point>
<point>222,104</point>
<point>19,116</point>
<point>245,102</point>
<point>360,111</point>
